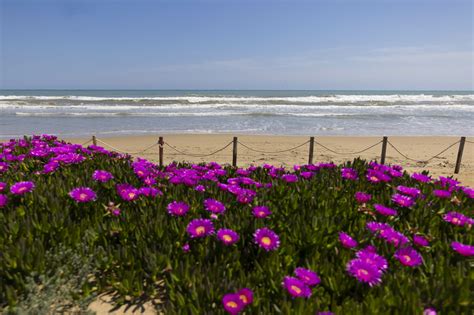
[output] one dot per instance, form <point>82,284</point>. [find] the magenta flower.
<point>463,249</point>
<point>228,236</point>
<point>246,296</point>
<point>456,218</point>
<point>261,212</point>
<point>296,287</point>
<point>309,277</point>
<point>442,193</point>
<point>127,192</point>
<point>290,178</point>
<point>266,239</point>
<point>349,173</point>
<point>3,200</point>
<point>82,194</point>
<point>410,191</point>
<point>347,241</point>
<point>214,206</point>
<point>369,256</point>
<point>3,167</point>
<point>186,248</point>
<point>377,226</point>
<point>3,185</point>
<point>408,257</point>
<point>362,197</point>
<point>394,237</point>
<point>364,272</point>
<point>200,228</point>
<point>21,188</point>
<point>420,240</point>
<point>403,201</point>
<point>102,176</point>
<point>421,177</point>
<point>232,303</point>
<point>386,211</point>
<point>178,208</point>
<point>429,311</point>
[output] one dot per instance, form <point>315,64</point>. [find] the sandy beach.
<point>418,148</point>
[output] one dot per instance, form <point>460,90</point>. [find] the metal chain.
<point>198,155</point>
<point>270,152</point>
<point>348,153</point>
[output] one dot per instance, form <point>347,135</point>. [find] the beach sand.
<point>415,147</point>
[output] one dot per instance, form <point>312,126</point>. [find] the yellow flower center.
<point>227,238</point>
<point>455,220</point>
<point>131,195</point>
<point>296,289</point>
<point>200,230</point>
<point>266,240</point>
<point>82,196</point>
<point>363,272</point>
<point>243,298</point>
<point>407,258</point>
<point>232,304</point>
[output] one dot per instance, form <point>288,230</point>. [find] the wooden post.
<point>161,142</point>
<point>94,140</point>
<point>384,150</point>
<point>311,150</point>
<point>234,152</point>
<point>458,160</point>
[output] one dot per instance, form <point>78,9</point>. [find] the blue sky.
<point>140,44</point>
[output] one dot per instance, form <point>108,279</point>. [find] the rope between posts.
<point>90,140</point>
<point>271,152</point>
<point>425,161</point>
<point>469,141</point>
<point>197,155</point>
<point>121,151</point>
<point>348,153</point>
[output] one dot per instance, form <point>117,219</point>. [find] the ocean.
<point>75,113</point>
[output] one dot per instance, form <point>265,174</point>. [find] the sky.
<point>313,45</point>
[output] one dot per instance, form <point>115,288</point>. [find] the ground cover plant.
<point>358,238</point>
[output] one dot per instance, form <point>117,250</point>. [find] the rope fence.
<point>235,142</point>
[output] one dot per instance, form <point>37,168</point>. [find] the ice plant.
<point>309,277</point>
<point>463,249</point>
<point>386,211</point>
<point>266,239</point>
<point>200,228</point>
<point>407,256</point>
<point>456,218</point>
<point>102,176</point>
<point>410,191</point>
<point>82,194</point>
<point>444,194</point>
<point>420,240</point>
<point>349,173</point>
<point>214,206</point>
<point>3,200</point>
<point>364,272</point>
<point>246,296</point>
<point>403,201</point>
<point>261,212</point>
<point>421,177</point>
<point>178,208</point>
<point>296,287</point>
<point>362,197</point>
<point>371,257</point>
<point>232,303</point>
<point>227,236</point>
<point>347,241</point>
<point>21,188</point>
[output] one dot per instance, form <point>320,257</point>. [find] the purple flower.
<point>410,191</point>
<point>128,192</point>
<point>386,211</point>
<point>200,188</point>
<point>420,240</point>
<point>403,201</point>
<point>421,177</point>
<point>362,197</point>
<point>309,277</point>
<point>429,311</point>
<point>371,257</point>
<point>456,218</point>
<point>200,228</point>
<point>349,173</point>
<point>232,303</point>
<point>186,248</point>
<point>82,194</point>
<point>364,272</point>
<point>3,200</point>
<point>290,178</point>
<point>3,167</point>
<point>3,185</point>
<point>377,226</point>
<point>261,212</point>
<point>102,176</point>
<point>296,287</point>
<point>21,188</point>
<point>214,206</point>
<point>347,241</point>
<point>178,208</point>
<point>408,257</point>
<point>228,236</point>
<point>267,239</point>
<point>442,193</point>
<point>394,237</point>
<point>463,249</point>
<point>246,296</point>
